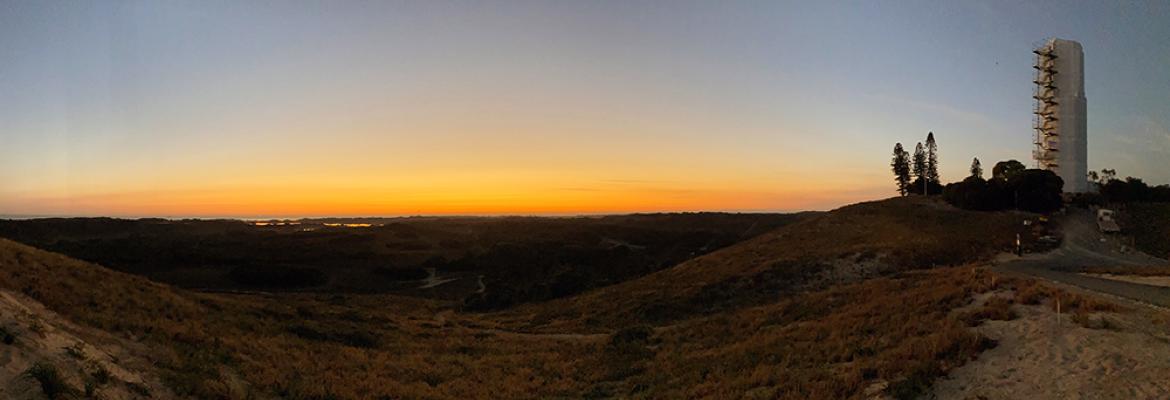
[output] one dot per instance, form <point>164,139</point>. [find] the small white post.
<point>1058,311</point>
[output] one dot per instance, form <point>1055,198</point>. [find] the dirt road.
<point>1084,247</point>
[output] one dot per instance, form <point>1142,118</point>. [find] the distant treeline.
<point>1130,189</point>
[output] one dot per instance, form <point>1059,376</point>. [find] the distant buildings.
<point>1061,136</point>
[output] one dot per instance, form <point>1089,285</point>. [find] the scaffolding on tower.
<point>1045,123</point>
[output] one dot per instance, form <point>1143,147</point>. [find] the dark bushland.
<point>1032,190</point>
<point>401,274</point>
<point>280,277</point>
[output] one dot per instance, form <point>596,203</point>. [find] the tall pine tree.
<point>931,158</point>
<point>976,168</point>
<point>920,166</point>
<point>901,166</point>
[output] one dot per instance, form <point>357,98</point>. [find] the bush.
<point>51,383</point>
<point>1032,190</point>
<point>1134,190</point>
<point>1037,190</point>
<point>972,193</point>
<point>638,336</point>
<point>347,335</point>
<point>996,309</point>
<point>6,336</point>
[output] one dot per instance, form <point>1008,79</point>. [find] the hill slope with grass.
<point>845,245</point>
<point>835,306</point>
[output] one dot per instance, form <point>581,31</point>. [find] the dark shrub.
<point>278,277</point>
<point>6,336</point>
<point>1032,190</point>
<point>1037,190</point>
<point>637,336</point>
<point>1134,190</point>
<point>51,383</point>
<point>932,188</point>
<point>401,274</point>
<point>1005,170</point>
<point>346,335</point>
<point>1087,200</point>
<point>972,193</point>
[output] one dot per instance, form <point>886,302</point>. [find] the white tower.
<point>1061,136</point>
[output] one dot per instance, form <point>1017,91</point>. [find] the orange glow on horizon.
<point>307,201</point>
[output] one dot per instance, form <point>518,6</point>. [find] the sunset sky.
<point>286,109</point>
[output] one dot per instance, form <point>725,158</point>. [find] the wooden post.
<point>1058,311</point>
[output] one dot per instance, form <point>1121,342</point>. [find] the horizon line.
<point>401,216</point>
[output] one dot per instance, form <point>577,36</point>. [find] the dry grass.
<point>1032,292</point>
<point>896,234</point>
<point>825,344</point>
<point>828,344</point>
<point>202,342</point>
<point>996,309</point>
<point>742,322</point>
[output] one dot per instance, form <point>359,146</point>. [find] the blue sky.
<point>209,108</point>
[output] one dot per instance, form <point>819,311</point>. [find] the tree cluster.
<point>1130,189</point>
<point>1012,186</point>
<point>917,173</point>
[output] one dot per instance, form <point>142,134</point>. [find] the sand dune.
<point>1039,358</point>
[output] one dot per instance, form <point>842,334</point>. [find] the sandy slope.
<point>1038,359</point>
<point>41,336</point>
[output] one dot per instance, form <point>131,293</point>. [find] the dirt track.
<point>1083,247</point>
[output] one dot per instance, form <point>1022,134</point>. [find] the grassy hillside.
<point>299,346</point>
<point>851,243</point>
<point>759,319</point>
<point>826,344</point>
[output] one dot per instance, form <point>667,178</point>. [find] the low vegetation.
<point>522,259</point>
<point>1128,190</point>
<point>857,299</point>
<point>1031,292</point>
<point>827,344</point>
<point>50,381</point>
<point>1033,190</point>
<point>855,242</point>
<point>996,309</point>
<point>1149,225</point>
<point>6,337</point>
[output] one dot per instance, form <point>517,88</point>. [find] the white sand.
<point>1037,359</point>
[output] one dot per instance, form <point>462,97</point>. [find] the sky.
<point>285,109</point>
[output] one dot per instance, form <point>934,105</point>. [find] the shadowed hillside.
<point>845,245</point>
